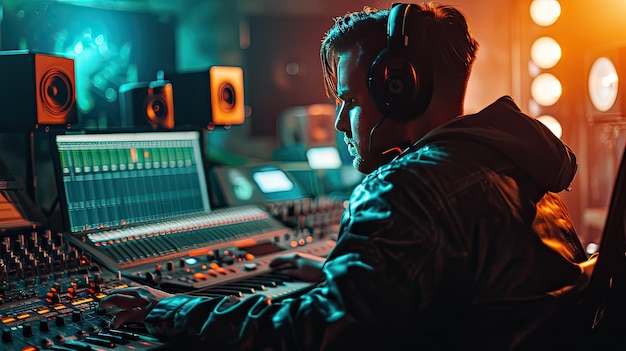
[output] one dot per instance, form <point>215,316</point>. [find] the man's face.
<point>357,116</point>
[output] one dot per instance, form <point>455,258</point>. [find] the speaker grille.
<point>56,93</point>
<point>227,95</point>
<point>39,91</point>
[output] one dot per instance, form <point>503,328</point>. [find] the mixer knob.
<point>19,270</point>
<point>53,297</point>
<point>170,266</point>
<point>59,339</point>
<point>182,263</point>
<point>94,287</point>
<point>27,330</point>
<point>46,343</point>
<point>44,326</point>
<point>60,320</point>
<point>77,316</point>
<point>151,280</point>
<point>6,335</point>
<point>72,290</point>
<point>4,277</point>
<point>217,254</point>
<point>250,266</point>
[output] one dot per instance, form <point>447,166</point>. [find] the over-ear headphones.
<point>399,79</point>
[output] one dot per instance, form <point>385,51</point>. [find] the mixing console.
<point>50,283</point>
<point>156,241</point>
<point>48,296</point>
<point>48,301</point>
<point>66,321</point>
<point>218,267</point>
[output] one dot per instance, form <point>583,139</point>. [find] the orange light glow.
<point>603,84</point>
<point>545,52</point>
<point>552,124</point>
<point>545,12</point>
<point>546,89</point>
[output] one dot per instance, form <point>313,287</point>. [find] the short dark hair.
<point>443,32</point>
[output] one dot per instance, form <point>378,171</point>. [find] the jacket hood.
<point>527,142</point>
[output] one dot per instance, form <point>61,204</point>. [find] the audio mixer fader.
<point>49,292</point>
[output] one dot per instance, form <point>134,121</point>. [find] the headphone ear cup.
<point>397,88</point>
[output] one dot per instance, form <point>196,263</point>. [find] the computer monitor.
<point>252,184</point>
<point>112,180</point>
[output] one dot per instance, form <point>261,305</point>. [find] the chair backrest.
<point>603,305</point>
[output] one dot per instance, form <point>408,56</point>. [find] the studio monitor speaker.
<point>213,97</point>
<point>37,91</point>
<point>147,104</point>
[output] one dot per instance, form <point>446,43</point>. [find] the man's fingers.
<point>310,257</point>
<point>287,261</point>
<point>126,291</point>
<point>123,301</point>
<point>127,317</point>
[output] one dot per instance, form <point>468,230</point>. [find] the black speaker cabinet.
<point>209,98</point>
<point>36,91</point>
<point>147,104</point>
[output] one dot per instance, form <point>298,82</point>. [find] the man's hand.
<point>302,266</point>
<point>134,304</point>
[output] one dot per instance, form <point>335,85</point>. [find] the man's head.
<point>389,94</point>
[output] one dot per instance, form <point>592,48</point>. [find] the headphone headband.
<point>400,78</point>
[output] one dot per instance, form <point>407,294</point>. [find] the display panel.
<point>255,184</point>
<point>272,181</point>
<point>116,179</point>
<point>323,157</point>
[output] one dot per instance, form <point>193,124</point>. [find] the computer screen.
<point>272,181</point>
<point>252,184</point>
<point>325,157</point>
<point>111,180</point>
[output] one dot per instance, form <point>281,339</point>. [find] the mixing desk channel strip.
<point>196,273</point>
<point>124,248</point>
<point>65,318</point>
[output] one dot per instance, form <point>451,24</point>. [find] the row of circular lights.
<point>545,53</point>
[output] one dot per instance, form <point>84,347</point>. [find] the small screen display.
<point>323,158</point>
<point>272,181</point>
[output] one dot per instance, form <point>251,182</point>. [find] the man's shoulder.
<point>441,164</point>
<point>414,165</point>
<point>431,157</point>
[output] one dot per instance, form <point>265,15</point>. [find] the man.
<point>455,239</point>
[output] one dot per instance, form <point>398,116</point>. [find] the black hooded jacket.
<point>460,243</point>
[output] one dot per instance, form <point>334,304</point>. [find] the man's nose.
<point>340,118</point>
